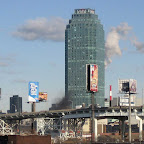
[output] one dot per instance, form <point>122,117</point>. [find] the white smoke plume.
<point>112,41</point>
<point>121,32</point>
<point>139,45</point>
<point>42,29</point>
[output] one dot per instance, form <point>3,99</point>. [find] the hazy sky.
<point>33,49</point>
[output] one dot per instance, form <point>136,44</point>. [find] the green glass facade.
<point>84,44</point>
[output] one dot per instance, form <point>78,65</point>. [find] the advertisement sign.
<point>93,78</point>
<point>126,85</point>
<point>33,92</point>
<point>123,85</point>
<point>84,11</point>
<point>88,77</point>
<point>43,96</point>
<point>132,86</point>
<point>81,11</point>
<point>124,100</point>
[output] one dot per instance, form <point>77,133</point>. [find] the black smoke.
<point>63,103</point>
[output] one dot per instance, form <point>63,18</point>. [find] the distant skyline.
<point>33,48</point>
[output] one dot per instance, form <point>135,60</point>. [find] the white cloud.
<point>10,72</point>
<point>42,29</point>
<point>3,64</point>
<point>6,60</point>
<point>52,64</point>
<point>20,81</point>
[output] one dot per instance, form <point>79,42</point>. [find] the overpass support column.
<point>123,129</point>
<point>95,132</point>
<point>65,124</point>
<point>33,107</point>
<point>140,127</point>
<point>75,127</point>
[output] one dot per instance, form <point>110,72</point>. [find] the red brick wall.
<point>31,139</point>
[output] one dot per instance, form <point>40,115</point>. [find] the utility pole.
<point>92,87</point>
<point>129,116</point>
<point>92,119</point>
<point>142,98</point>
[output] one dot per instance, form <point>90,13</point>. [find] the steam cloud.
<point>42,29</point>
<point>139,46</point>
<point>121,32</point>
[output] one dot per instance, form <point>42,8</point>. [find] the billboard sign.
<point>43,96</point>
<point>33,92</point>
<point>93,78</point>
<point>126,86</point>
<point>132,86</point>
<point>84,11</point>
<point>124,100</point>
<point>123,85</point>
<point>88,77</point>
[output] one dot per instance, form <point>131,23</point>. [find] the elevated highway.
<point>74,118</point>
<point>103,112</point>
<point>41,114</point>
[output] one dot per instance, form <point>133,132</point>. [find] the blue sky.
<point>32,45</point>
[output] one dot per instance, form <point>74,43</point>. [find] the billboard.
<point>124,100</point>
<point>93,78</point>
<point>88,77</point>
<point>123,85</point>
<point>43,96</point>
<point>33,92</point>
<point>126,85</point>
<point>132,86</point>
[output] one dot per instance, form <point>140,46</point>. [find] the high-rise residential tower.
<point>84,44</point>
<point>15,104</point>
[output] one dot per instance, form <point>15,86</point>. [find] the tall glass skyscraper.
<point>84,44</point>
